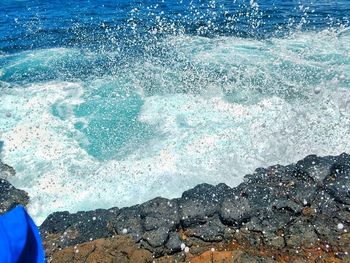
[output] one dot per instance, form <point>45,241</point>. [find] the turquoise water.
<point>109,115</point>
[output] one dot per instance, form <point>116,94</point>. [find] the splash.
<point>197,110</point>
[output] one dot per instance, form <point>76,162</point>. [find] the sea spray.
<point>116,115</point>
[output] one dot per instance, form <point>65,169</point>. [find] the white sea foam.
<point>208,136</point>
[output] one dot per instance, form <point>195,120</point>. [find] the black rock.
<point>270,221</point>
<point>235,210</point>
<point>337,184</point>
<point>301,234</point>
<point>325,203</point>
<point>80,227</point>
<point>288,207</point>
<point>326,229</point>
<point>174,242</point>
<point>212,231</point>
<point>317,167</point>
<point>157,237</point>
<point>160,212</point>
<point>128,222</point>
<point>6,171</point>
<point>200,203</point>
<point>10,197</point>
<point>286,204</point>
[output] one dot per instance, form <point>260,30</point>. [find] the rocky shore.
<point>10,197</point>
<point>294,213</point>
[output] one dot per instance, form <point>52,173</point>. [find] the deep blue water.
<point>110,103</point>
<point>42,24</point>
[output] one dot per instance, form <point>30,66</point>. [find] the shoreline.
<point>278,214</point>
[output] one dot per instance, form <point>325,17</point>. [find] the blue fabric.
<point>20,241</point>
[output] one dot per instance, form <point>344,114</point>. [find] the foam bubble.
<point>240,104</point>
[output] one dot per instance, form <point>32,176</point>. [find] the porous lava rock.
<point>10,196</point>
<point>281,213</point>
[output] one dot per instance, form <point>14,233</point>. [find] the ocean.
<point>110,103</point>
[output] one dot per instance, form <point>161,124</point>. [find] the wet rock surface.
<point>299,211</point>
<point>280,213</point>
<point>6,171</point>
<point>10,197</point>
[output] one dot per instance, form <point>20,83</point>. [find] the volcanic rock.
<point>10,196</point>
<point>299,212</point>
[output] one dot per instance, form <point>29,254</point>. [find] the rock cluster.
<point>10,197</point>
<point>6,171</point>
<point>278,213</point>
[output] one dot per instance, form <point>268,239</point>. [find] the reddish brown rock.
<point>112,250</point>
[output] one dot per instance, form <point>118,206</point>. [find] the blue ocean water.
<point>110,103</point>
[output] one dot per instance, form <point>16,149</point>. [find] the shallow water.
<point>110,104</point>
